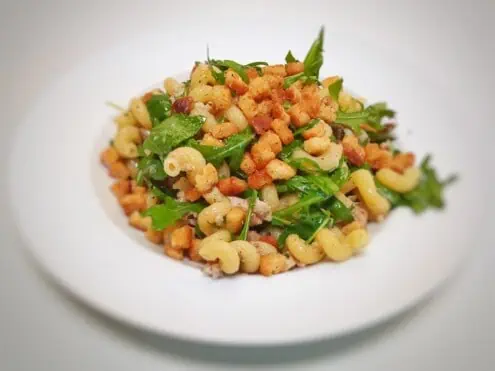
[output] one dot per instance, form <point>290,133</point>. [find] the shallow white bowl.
<point>74,227</point>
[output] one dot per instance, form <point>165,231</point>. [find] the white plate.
<point>75,229</point>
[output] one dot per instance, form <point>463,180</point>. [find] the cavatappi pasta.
<point>260,168</point>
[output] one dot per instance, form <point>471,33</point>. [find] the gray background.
<point>41,328</point>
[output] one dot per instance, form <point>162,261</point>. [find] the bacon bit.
<point>183,105</point>
<point>147,97</point>
<point>353,151</point>
<point>192,194</point>
<point>232,186</point>
<point>259,179</point>
<point>261,124</point>
<point>270,239</point>
<point>277,96</point>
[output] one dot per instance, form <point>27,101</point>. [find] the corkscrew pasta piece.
<point>212,218</point>
<point>250,258</point>
<point>269,194</point>
<point>126,141</point>
<point>302,252</point>
<point>377,204</point>
<point>222,251</point>
<point>327,161</point>
<point>397,182</point>
<point>235,115</point>
<point>185,159</point>
<point>140,113</point>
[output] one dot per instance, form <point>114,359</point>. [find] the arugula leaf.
<point>282,215</point>
<point>309,126</point>
<point>289,58</point>
<point>300,184</point>
<point>288,81</point>
<point>159,108</point>
<point>233,149</point>
<point>341,212</point>
<point>289,149</point>
<point>312,63</point>
<point>151,167</point>
<point>383,135</point>
<point>376,113</point>
<point>238,68</point>
<point>319,227</point>
<point>352,120</point>
<point>251,203</point>
<point>172,132</point>
<point>256,64</point>
<point>393,197</point>
<point>218,74</point>
<point>306,226</point>
<point>324,183</point>
<point>311,185</point>
<point>340,175</point>
<point>304,164</point>
<point>429,192</point>
<point>167,214</point>
<point>314,58</point>
<point>335,88</point>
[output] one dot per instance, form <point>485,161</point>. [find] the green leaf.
<point>238,68</point>
<point>289,149</point>
<point>292,210</point>
<point>172,132</point>
<point>289,58</point>
<point>340,175</point>
<point>385,134</point>
<point>340,212</point>
<point>306,226</point>
<point>319,227</point>
<point>288,81</point>
<point>393,197</point>
<point>314,58</point>
<point>352,120</point>
<point>304,164</point>
<point>218,74</point>
<point>309,126</point>
<point>256,64</point>
<point>167,214</point>
<point>159,108</point>
<point>429,192</point>
<point>324,183</point>
<point>321,185</point>
<point>335,88</point>
<point>300,184</point>
<point>151,167</point>
<point>251,203</point>
<point>377,112</point>
<point>233,149</point>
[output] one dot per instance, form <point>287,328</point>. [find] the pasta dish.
<point>262,168</point>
